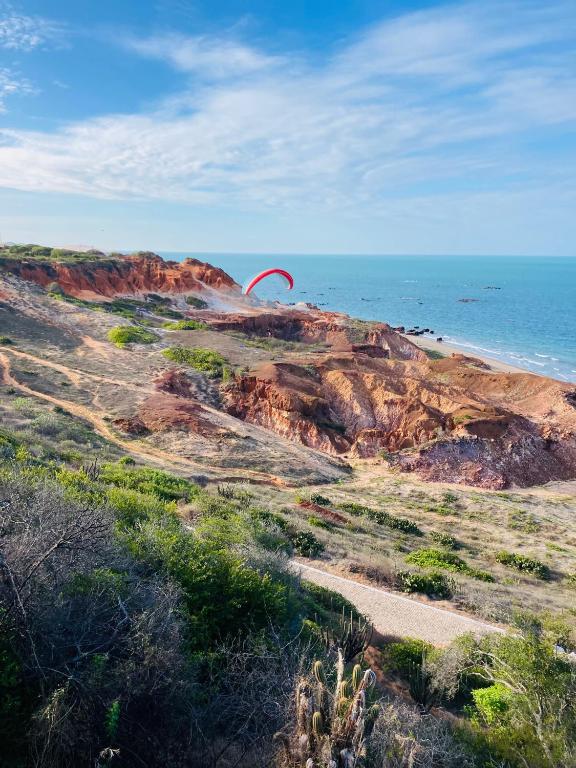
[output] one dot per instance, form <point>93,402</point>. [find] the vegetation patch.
<point>193,301</point>
<point>185,325</point>
<point>432,584</point>
<point>131,334</point>
<point>448,561</point>
<point>523,563</point>
<point>205,360</point>
<point>306,544</point>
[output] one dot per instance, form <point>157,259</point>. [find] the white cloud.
<point>23,33</point>
<point>432,98</point>
<point>11,84</point>
<point>214,58</point>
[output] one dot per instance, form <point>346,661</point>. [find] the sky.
<point>309,126</point>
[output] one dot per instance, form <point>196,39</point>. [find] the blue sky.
<point>290,127</point>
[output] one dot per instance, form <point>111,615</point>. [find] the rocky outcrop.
<point>318,327</point>
<point>122,275</point>
<point>448,420</point>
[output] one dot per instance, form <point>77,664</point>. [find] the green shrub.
<point>402,657</point>
<point>432,584</point>
<point>353,509</point>
<point>318,522</point>
<point>390,521</point>
<point>222,596</point>
<point>185,325</point>
<point>438,558</point>
<point>131,334</point>
<point>6,340</point>
<point>492,702</point>
<point>323,501</point>
<point>205,360</point>
<point>196,303</point>
<point>524,564</point>
<point>306,544</point>
<point>150,481</point>
<point>444,539</point>
<point>269,518</point>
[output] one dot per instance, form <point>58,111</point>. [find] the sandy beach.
<point>425,342</point>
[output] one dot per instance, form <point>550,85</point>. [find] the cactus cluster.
<point>333,723</point>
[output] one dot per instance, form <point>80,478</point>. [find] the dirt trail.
<point>136,448</point>
<point>396,615</point>
<point>75,376</point>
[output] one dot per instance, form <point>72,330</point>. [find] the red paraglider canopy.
<point>267,272</point>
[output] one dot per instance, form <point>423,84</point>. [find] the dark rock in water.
<point>440,339</point>
<point>468,301</point>
<point>399,329</point>
<point>492,288</point>
<point>430,331</point>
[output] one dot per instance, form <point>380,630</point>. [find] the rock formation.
<point>122,275</point>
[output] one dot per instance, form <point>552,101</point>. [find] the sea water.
<point>521,310</point>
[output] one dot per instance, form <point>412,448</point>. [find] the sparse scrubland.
<point>174,632</point>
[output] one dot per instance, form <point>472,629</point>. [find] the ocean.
<point>521,310</point>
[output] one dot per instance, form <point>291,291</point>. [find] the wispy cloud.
<point>431,100</point>
<point>214,58</point>
<point>19,32</point>
<point>11,84</point>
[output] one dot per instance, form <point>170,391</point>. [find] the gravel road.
<point>395,615</point>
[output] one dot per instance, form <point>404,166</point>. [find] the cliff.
<point>121,275</point>
<point>447,420</point>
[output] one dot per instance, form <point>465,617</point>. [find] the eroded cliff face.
<point>124,275</point>
<point>314,326</point>
<point>448,420</point>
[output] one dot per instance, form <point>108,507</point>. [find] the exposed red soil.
<point>445,419</point>
<point>136,274</point>
<point>326,514</point>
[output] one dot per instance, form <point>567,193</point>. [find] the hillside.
<point>217,441</point>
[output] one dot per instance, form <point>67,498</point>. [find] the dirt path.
<point>134,447</point>
<point>396,615</point>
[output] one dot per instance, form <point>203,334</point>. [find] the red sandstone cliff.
<point>447,420</point>
<point>107,277</point>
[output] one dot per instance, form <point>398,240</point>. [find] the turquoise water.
<point>530,321</point>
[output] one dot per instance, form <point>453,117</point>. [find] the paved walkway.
<point>395,615</point>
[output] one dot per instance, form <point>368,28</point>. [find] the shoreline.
<point>448,349</point>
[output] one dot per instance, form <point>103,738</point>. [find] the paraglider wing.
<point>267,272</point>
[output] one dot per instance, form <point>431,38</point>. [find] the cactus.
<point>333,721</point>
<point>352,635</point>
<point>356,677</point>
<point>318,670</point>
<point>317,724</point>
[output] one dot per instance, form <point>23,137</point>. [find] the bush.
<point>492,702</point>
<point>185,325</point>
<point>432,584</point>
<point>323,501</point>
<point>6,340</point>
<point>149,481</point>
<point>405,655</point>
<point>524,564</point>
<point>205,360</point>
<point>306,544</point>
<point>353,509</point>
<point>444,539</point>
<point>390,521</point>
<point>438,558</point>
<point>196,303</point>
<point>131,334</point>
<point>319,522</point>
